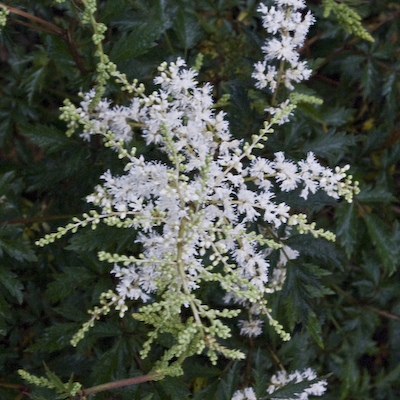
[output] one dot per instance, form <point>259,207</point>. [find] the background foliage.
<point>341,302</point>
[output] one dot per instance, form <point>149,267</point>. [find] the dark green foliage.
<point>340,301</point>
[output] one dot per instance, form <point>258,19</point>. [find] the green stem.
<point>278,82</point>
<point>182,274</point>
<point>94,25</point>
<point>281,66</point>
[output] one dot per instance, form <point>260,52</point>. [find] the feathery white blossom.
<point>289,27</point>
<point>201,201</point>
<point>192,213</point>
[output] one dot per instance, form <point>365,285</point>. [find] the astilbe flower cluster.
<point>290,29</point>
<point>193,213</point>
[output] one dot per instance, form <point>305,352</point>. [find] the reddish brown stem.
<point>49,28</point>
<point>368,307</point>
<point>52,27</point>
<point>40,28</point>
<point>117,384</point>
<point>35,219</point>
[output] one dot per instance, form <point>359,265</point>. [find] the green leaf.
<point>389,86</point>
<point>34,82</point>
<point>108,328</point>
<point>319,249</point>
<point>54,379</point>
<point>352,67</point>
<point>318,291</point>
<point>210,392</point>
<point>391,156</point>
<point>74,277</point>
<point>5,181</point>
<point>314,327</point>
<point>330,144</point>
<point>48,173</point>
<point>392,377</point>
<point>48,138</point>
<point>387,248</point>
<point>55,337</point>
<point>175,388</point>
<point>329,116</point>
<point>374,139</point>
<point>292,311</point>
<point>148,397</point>
<point>390,92</point>
<point>229,385</point>
<point>102,238</point>
<point>139,40</point>
<point>111,365</point>
<point>260,377</point>
<point>295,293</point>
<point>371,266</point>
<point>350,375</point>
<point>336,116</point>
<point>291,389</point>
<point>4,312</point>
<point>12,284</point>
<point>71,312</point>
<point>187,28</point>
<point>370,194</point>
<point>13,245</point>
<point>368,79</point>
<point>347,224</point>
<point>110,10</point>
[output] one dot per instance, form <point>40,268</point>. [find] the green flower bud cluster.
<point>348,188</point>
<point>107,300</point>
<point>285,336</point>
<point>281,114</point>
<point>296,98</point>
<point>70,114</point>
<point>4,11</point>
<point>198,62</point>
<point>38,381</point>
<point>98,36</point>
<point>93,219</point>
<point>300,220</point>
<point>192,336</point>
<point>69,389</point>
<point>214,348</point>
<point>90,9</point>
<point>348,19</point>
<point>121,78</point>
